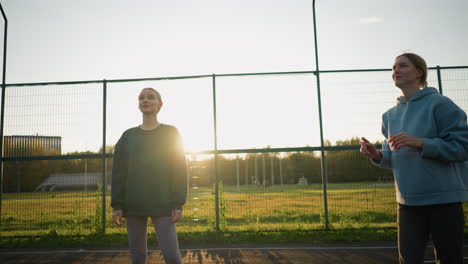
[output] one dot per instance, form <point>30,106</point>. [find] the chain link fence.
<point>255,156</point>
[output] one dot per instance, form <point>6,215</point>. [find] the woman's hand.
<point>368,149</point>
<point>404,140</point>
<point>176,215</point>
<point>117,216</point>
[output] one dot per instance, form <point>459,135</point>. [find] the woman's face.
<point>148,102</point>
<point>405,73</point>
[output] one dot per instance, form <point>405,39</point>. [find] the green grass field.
<point>356,212</point>
<point>254,208</point>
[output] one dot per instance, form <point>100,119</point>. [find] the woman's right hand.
<point>368,149</point>
<point>117,216</point>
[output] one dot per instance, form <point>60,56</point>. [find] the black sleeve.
<point>119,174</point>
<point>179,175</point>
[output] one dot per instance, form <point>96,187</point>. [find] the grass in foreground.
<point>200,239</point>
<point>356,212</point>
<point>207,239</point>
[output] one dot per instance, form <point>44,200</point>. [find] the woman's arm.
<point>452,142</point>
<point>385,153</point>
<point>179,177</point>
<point>119,174</point>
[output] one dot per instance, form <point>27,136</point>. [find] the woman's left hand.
<point>176,215</point>
<point>404,140</point>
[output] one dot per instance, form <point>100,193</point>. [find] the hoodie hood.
<point>420,94</point>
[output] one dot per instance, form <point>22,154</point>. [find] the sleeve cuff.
<point>177,206</point>
<point>385,162</point>
<point>116,204</point>
<point>429,149</point>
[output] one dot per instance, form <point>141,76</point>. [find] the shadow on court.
<point>378,252</point>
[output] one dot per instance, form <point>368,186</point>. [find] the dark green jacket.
<point>149,174</point>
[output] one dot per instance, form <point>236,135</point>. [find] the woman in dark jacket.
<point>149,179</point>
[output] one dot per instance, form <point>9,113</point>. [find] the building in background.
<point>71,181</point>
<point>32,145</point>
<point>24,175</point>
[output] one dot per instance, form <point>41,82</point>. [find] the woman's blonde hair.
<point>158,95</point>
<point>420,64</point>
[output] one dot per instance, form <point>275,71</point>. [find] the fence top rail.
<point>206,152</point>
<point>215,75</point>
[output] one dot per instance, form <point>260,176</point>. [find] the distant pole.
<point>216,174</point>
<point>272,171</point>
<point>238,183</point>
<point>246,170</point>
<point>104,166</point>
<point>319,99</point>
<point>86,175</point>
<point>439,79</point>
<point>256,169</point>
<point>2,112</point>
<point>263,166</point>
<point>281,170</point>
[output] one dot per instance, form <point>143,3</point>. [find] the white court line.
<point>433,261</point>
<point>194,249</point>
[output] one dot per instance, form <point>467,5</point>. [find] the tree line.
<point>27,175</point>
<point>252,168</point>
<point>288,168</point>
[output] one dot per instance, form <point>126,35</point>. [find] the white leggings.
<point>165,232</point>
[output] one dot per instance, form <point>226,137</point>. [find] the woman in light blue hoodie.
<point>426,146</point>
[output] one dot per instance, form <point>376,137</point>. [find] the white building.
<point>71,181</point>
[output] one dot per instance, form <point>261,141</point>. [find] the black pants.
<point>444,222</point>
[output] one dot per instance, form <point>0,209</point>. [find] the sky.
<point>65,40</point>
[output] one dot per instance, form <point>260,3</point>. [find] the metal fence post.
<point>104,183</point>
<point>322,152</point>
<point>439,79</point>
<point>215,156</point>
<point>2,115</point>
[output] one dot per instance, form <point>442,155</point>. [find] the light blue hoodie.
<point>438,173</point>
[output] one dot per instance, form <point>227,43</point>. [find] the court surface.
<point>355,252</point>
